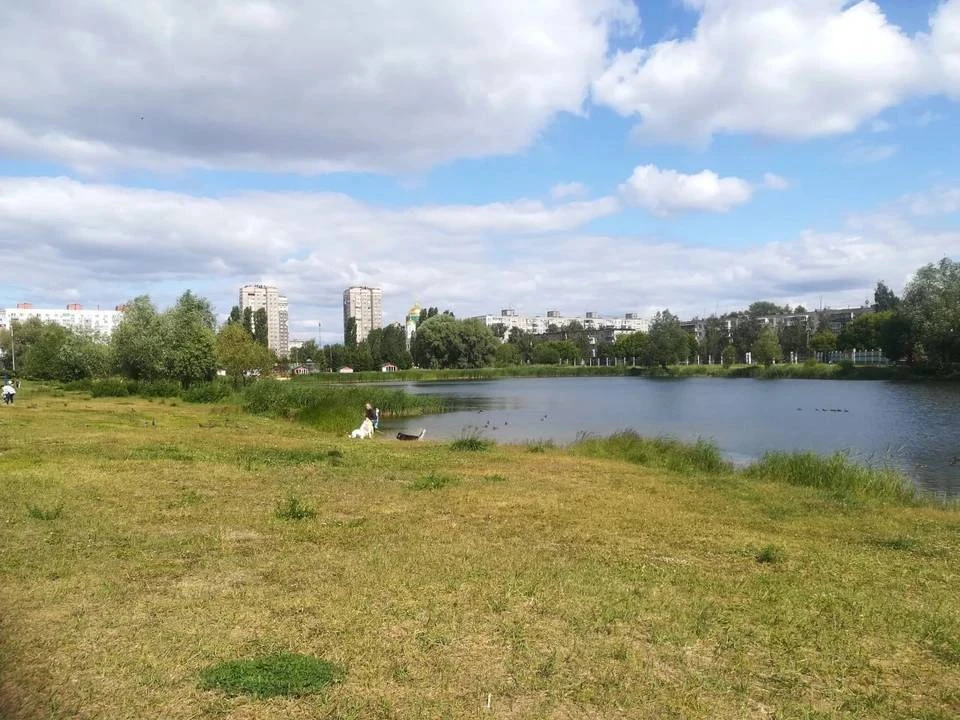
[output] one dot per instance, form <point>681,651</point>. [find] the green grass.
<point>835,474</point>
<point>293,508</point>
<point>663,452</point>
<point>623,578</point>
<point>331,408</point>
<point>46,514</point>
<point>471,440</point>
<point>286,674</point>
<point>432,481</point>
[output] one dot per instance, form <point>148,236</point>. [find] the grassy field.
<point>142,542</point>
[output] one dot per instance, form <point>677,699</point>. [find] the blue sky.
<point>578,154</point>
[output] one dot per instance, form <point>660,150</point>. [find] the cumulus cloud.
<point>938,201</point>
<point>664,192</point>
<point>67,241</point>
<point>564,191</point>
<point>287,85</point>
<point>772,181</point>
<point>781,68</point>
<point>864,154</point>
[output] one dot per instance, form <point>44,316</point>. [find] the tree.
<point>507,354</point>
<point>82,356</point>
<point>307,352</point>
<point>248,320</point>
<point>884,298</point>
<point>931,302</point>
<point>236,316</point>
<point>666,342</point>
<point>745,333</point>
<point>260,333</point>
<point>765,308</point>
<point>631,345</point>
<point>350,334</point>
<point>861,332</point>
<point>824,341</point>
<point>139,342</point>
<point>729,355</point>
<point>799,310</point>
<point>444,342</point>
<point>896,336</point>
<point>524,342</point>
<point>190,355</point>
<point>766,350</point>
<point>238,353</point>
<point>793,338</point>
<point>714,337</point>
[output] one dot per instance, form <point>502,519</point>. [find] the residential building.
<point>266,297</point>
<point>365,305</point>
<point>73,316</point>
<point>554,320</point>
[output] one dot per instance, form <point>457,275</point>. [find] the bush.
<point>208,392</point>
<point>112,387</point>
<point>769,554</point>
<point>158,388</point>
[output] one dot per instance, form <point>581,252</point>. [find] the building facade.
<point>73,316</point>
<point>554,320</point>
<point>365,305</point>
<point>267,297</point>
<point>410,324</point>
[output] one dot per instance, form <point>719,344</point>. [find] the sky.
<point>580,155</point>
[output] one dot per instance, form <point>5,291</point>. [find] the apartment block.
<point>73,316</point>
<point>267,297</point>
<point>365,305</point>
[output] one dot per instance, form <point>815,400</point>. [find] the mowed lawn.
<point>140,543</point>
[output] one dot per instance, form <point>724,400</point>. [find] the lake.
<point>913,426</point>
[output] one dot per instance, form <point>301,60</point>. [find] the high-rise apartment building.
<point>266,297</point>
<point>365,305</point>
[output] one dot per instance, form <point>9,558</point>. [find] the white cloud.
<point>772,181</point>
<point>780,68</point>
<point>105,244</point>
<point>945,43</point>
<point>564,191</point>
<point>938,201</point>
<point>664,192</point>
<point>286,85</point>
<point>880,126</point>
<point>868,154</point>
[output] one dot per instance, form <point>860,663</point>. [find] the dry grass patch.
<point>580,587</point>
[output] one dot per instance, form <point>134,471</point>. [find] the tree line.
<point>184,344</point>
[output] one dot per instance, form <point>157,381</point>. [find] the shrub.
<point>539,446</point>
<point>158,388</point>
<point>471,440</point>
<point>282,674</point>
<point>432,482</point>
<point>769,554</point>
<point>293,509</point>
<point>208,392</point>
<point>38,513</point>
<point>112,387</point>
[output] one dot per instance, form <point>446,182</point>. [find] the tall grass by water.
<point>331,408</point>
<point>662,452</point>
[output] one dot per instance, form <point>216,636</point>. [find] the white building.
<point>266,297</point>
<point>73,316</point>
<point>365,305</point>
<point>539,324</point>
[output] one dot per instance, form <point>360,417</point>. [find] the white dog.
<point>364,431</point>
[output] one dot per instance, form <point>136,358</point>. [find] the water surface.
<point>913,426</point>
